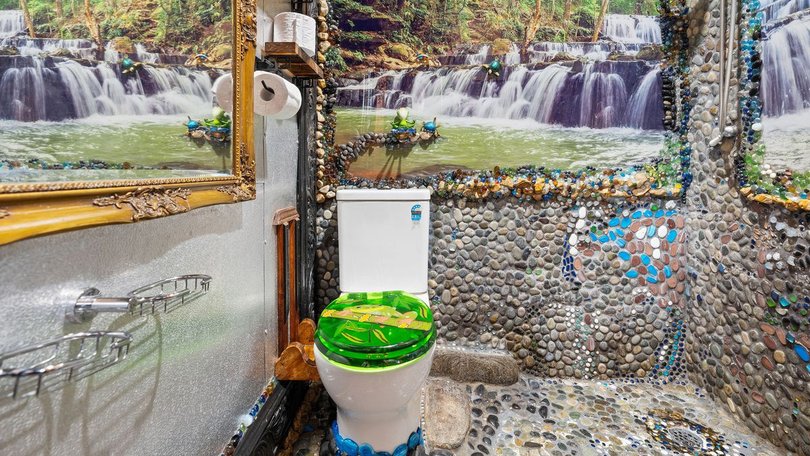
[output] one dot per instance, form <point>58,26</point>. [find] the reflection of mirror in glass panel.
<point>112,90</point>
<point>786,83</point>
<point>567,97</point>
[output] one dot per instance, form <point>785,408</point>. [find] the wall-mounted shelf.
<point>291,58</point>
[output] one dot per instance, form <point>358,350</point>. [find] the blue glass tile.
<point>667,271</point>
<point>632,273</point>
<point>672,235</point>
<point>613,222</point>
<point>645,259</point>
<point>648,213</point>
<point>802,352</point>
<point>652,279</point>
<point>624,255</point>
<point>621,242</point>
<point>612,236</point>
<point>636,214</point>
<point>651,231</point>
<point>626,222</point>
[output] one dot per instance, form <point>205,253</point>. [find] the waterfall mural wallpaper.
<point>775,51</point>
<point>113,89</point>
<point>430,87</point>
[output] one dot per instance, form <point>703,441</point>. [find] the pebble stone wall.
<point>749,287</point>
<point>587,291</point>
<point>604,289</point>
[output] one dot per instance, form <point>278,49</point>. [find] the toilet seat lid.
<point>375,329</point>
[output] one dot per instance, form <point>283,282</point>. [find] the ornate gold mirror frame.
<point>35,209</point>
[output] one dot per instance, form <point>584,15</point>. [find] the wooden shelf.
<point>292,58</point>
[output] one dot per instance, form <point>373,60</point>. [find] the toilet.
<point>374,344</point>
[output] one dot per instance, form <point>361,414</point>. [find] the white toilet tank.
<point>383,239</point>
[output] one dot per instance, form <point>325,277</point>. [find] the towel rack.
<point>165,295</point>
<point>50,365</point>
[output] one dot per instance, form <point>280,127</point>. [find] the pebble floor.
<point>584,417</point>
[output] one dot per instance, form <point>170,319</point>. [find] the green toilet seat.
<point>375,330</point>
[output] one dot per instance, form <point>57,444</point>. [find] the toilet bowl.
<point>373,352</point>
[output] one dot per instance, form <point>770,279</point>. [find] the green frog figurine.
<point>494,68</point>
<point>401,121</point>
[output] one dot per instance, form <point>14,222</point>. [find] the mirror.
<point>431,87</point>
<point>119,96</point>
<point>776,54</point>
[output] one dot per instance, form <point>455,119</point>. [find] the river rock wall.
<point>588,291</point>
<point>748,278</point>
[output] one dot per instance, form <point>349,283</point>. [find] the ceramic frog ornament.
<point>430,126</point>
<point>129,67</point>
<point>401,121</point>
<point>494,68</point>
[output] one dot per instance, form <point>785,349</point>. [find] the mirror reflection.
<point>113,89</point>
<point>457,85</point>
<point>785,87</point>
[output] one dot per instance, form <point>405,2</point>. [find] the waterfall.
<point>480,57</point>
<point>22,91</point>
<point>777,9</point>
<point>11,23</point>
<point>625,28</point>
<point>604,96</point>
<point>66,89</point>
<point>83,49</point>
<point>786,59</point>
<point>645,101</point>
<point>596,94</point>
<point>544,51</point>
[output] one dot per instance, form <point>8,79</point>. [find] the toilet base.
<point>348,447</point>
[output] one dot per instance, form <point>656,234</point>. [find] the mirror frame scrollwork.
<point>35,209</point>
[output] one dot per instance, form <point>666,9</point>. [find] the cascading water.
<point>777,9</point>
<point>644,109</point>
<point>786,58</point>
<point>583,89</point>
<point>35,89</point>
<point>11,23</point>
<point>596,94</point>
<point>625,28</point>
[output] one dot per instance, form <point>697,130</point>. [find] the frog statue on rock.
<point>403,128</point>
<point>430,130</point>
<point>129,67</point>
<point>215,130</point>
<point>494,68</point>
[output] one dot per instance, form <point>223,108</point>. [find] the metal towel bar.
<point>162,295</point>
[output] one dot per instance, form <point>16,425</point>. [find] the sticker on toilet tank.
<point>416,212</point>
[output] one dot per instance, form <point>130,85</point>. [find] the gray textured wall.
<point>191,373</point>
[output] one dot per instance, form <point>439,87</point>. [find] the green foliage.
<point>176,25</point>
<point>351,6</point>
<point>334,60</point>
<point>357,37</point>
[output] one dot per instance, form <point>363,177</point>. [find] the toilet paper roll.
<point>264,30</point>
<point>297,28</point>
<point>274,96</point>
<point>223,90</point>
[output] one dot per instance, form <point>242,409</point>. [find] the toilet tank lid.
<point>375,329</point>
<point>394,194</point>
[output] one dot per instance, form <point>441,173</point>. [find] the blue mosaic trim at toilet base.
<point>348,447</point>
